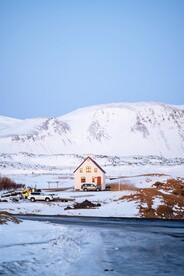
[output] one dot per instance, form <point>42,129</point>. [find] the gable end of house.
<point>92,161</point>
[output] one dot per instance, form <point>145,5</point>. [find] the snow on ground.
<point>25,163</point>
<point>157,201</point>
<point>43,181</point>
<point>38,248</point>
<point>142,181</point>
<point>110,207</point>
<point>133,175</point>
<point>134,172</point>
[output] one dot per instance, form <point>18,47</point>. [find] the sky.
<point>57,56</point>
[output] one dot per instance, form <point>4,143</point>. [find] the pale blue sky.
<point>57,56</point>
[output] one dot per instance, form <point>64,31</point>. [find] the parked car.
<point>39,196</point>
<point>90,187</point>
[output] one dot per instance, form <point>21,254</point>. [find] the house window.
<point>81,170</point>
<point>88,169</point>
<point>95,169</point>
<point>83,179</point>
<point>93,179</point>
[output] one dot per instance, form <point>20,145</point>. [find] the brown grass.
<point>6,217</point>
<point>121,187</point>
<point>174,185</point>
<point>172,204</point>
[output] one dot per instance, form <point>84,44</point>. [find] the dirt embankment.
<point>6,217</point>
<point>83,205</point>
<point>162,200</point>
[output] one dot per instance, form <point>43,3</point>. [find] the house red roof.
<point>92,161</point>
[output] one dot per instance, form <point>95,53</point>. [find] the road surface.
<point>131,246</point>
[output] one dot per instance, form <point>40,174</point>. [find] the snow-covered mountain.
<point>111,129</point>
<point>6,122</point>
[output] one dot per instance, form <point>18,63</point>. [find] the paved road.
<point>134,246</point>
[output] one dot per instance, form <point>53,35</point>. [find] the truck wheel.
<point>47,199</point>
<point>32,199</point>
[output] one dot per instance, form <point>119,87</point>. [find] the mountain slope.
<point>111,129</point>
<point>6,122</point>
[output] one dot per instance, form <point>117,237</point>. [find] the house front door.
<point>99,181</point>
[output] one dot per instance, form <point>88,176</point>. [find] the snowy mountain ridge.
<point>121,129</point>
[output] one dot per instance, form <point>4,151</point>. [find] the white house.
<point>89,172</point>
